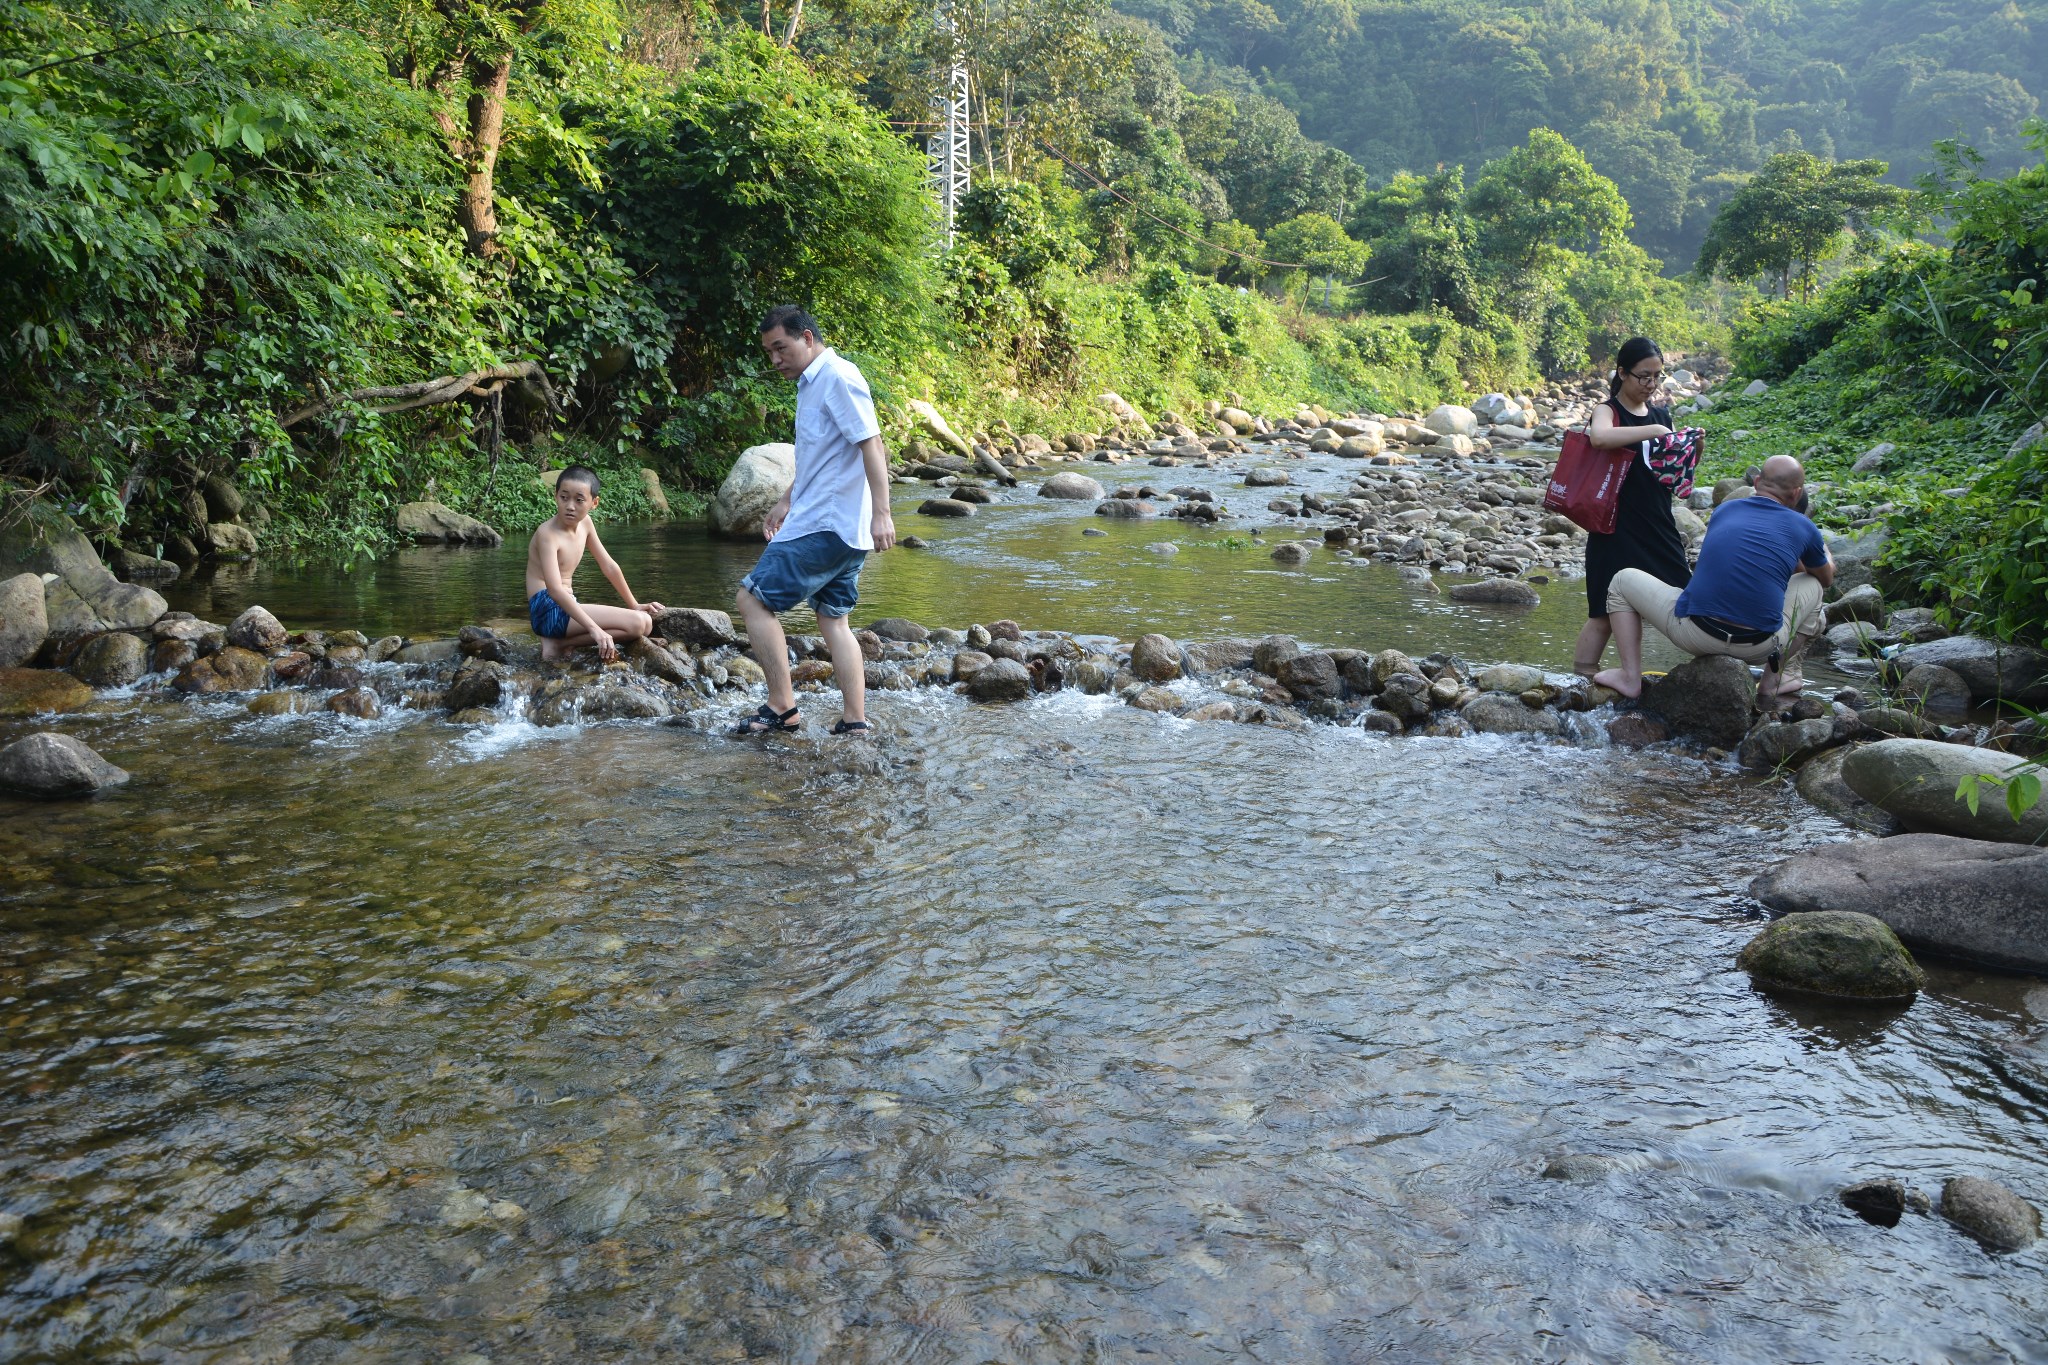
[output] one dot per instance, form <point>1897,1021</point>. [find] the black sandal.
<point>850,727</point>
<point>768,720</point>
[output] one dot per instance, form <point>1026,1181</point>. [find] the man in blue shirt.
<point>1754,596</point>
<point>821,530</point>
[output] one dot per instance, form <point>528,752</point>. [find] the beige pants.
<point>1657,603</point>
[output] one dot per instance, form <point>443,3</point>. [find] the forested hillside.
<point>1672,99</point>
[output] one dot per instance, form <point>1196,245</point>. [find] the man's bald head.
<point>1782,479</point>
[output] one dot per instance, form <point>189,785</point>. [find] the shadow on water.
<point>1044,1033</point>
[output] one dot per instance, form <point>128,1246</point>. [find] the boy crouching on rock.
<point>819,532</point>
<point>556,549</point>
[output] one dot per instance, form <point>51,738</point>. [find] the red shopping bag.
<point>1586,485</point>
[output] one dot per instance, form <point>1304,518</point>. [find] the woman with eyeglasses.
<point>1645,533</point>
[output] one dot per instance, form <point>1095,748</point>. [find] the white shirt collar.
<point>817,362</point>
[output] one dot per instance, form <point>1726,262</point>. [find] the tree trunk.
<point>767,21</point>
<point>796,17</point>
<point>478,210</point>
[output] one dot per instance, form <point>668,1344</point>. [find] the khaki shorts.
<point>1657,602</point>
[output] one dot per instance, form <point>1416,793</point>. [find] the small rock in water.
<point>51,765</point>
<point>1093,531</point>
<point>1835,953</point>
<point>1267,478</point>
<point>945,507</point>
<point>1158,699</point>
<point>1507,592</point>
<point>359,702</point>
<point>256,629</point>
<point>999,680</point>
<point>1882,1201</point>
<point>1291,552</point>
<point>910,542</point>
<point>1162,547</point>
<point>1993,1214</point>
<point>1156,658</point>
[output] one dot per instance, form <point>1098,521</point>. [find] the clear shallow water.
<point>1050,1033</point>
<point>1047,1033</point>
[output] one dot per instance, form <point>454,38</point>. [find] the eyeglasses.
<point>1652,377</point>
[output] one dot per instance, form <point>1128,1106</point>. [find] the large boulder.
<point>1452,420</point>
<point>32,691</point>
<point>1856,556</point>
<point>759,478</point>
<point>23,624</point>
<point>432,523</point>
<point>1707,699</point>
<point>1970,899</point>
<point>650,485</point>
<point>1783,744</point>
<point>52,765</point>
<point>115,659</point>
<point>1820,782</point>
<point>231,540</point>
<point>1072,488</point>
<point>1155,659</point>
<point>1835,953</point>
<point>86,598</point>
<point>2012,672</point>
<point>1310,676</point>
<point>1916,780</point>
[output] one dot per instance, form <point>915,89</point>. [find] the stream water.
<point>1057,1032</point>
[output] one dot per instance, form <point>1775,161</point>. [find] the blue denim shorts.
<point>819,566</point>
<point>547,616</point>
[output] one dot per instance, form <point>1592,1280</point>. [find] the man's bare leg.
<point>771,649</point>
<point>621,623</point>
<point>849,667</point>
<point>1628,647</point>
<point>1591,645</point>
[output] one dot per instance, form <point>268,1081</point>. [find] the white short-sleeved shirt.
<point>834,414</point>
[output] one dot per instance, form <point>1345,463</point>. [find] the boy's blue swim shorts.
<point>819,566</point>
<point>547,615</point>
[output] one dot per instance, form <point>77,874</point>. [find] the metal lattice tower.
<point>947,154</point>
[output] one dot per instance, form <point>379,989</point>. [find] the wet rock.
<point>1916,781</point>
<point>2012,672</point>
<point>1162,547</point>
<point>969,662</point>
<point>901,630</point>
<point>1706,699</point>
<point>85,598</point>
<point>171,655</point>
<point>329,678</point>
<point>1897,723</point>
<point>358,702</point>
<point>1000,680</point>
<point>113,660</point>
<point>481,642</point>
<point>479,686</point>
<point>1836,953</point>
<point>1156,658</point>
<point>257,630</point>
<point>1268,654</point>
<point>431,523</point>
<point>427,652</point>
<point>1783,744</point>
<point>1490,713</point>
<point>1915,625</point>
<point>135,566</point>
<point>1578,1168</point>
<point>945,507</point>
<point>673,666</point>
<point>51,765</point>
<point>1882,1202</point>
<point>382,648</point>
<point>1515,678</point>
<point>1156,699</point>
<point>1389,664</point>
<point>696,627</point>
<point>1267,478</point>
<point>31,691</point>
<point>230,669</point>
<point>1124,509</point>
<point>1291,552</point>
<point>1999,1219</point>
<point>744,672</point>
<point>621,703</point>
<point>1821,784</point>
<point>23,624</point>
<point>1976,900</point>
<point>1092,676</point>
<point>759,478</point>
<point>231,540</point>
<point>1309,676</point>
<point>281,704</point>
<point>204,636</point>
<point>1507,592</point>
<point>1208,656</point>
<point>1405,696</point>
<point>1072,488</point>
<point>1939,691</point>
<point>1215,710</point>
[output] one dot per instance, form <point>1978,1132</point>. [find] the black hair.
<point>579,473</point>
<point>791,319</point>
<point>1634,352</point>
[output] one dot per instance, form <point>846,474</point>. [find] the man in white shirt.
<point>820,531</point>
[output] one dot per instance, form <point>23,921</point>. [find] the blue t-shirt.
<point>1753,547</point>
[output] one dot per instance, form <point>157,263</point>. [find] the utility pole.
<point>947,153</point>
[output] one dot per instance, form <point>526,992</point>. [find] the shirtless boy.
<point>557,548</point>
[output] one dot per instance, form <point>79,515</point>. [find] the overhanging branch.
<point>426,393</point>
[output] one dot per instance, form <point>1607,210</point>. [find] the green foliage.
<point>1540,201</point>
<point>1798,211</point>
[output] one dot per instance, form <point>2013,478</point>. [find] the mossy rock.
<point>1835,953</point>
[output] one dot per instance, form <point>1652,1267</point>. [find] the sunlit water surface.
<point>1056,1032</point>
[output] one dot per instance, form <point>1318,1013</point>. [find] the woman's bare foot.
<point>1618,680</point>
